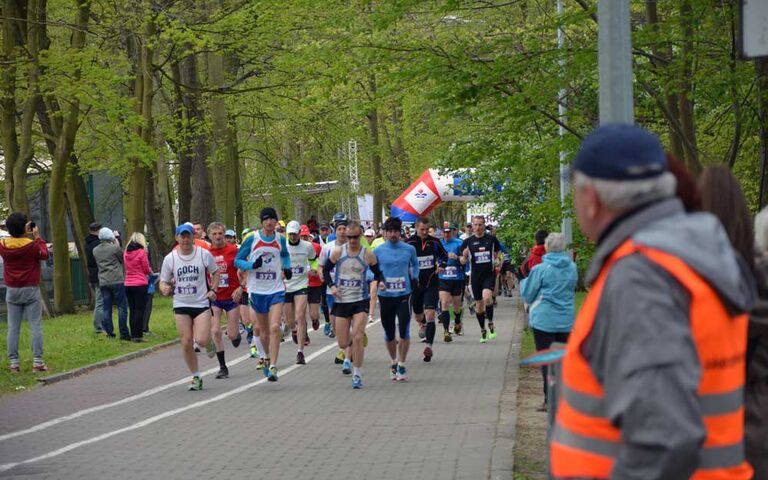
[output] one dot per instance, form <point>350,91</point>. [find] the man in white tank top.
<point>350,290</point>
<point>185,275</point>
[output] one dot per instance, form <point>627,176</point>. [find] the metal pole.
<point>562,111</point>
<point>615,62</point>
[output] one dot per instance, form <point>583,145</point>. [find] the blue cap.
<point>184,229</point>
<point>230,233</point>
<point>620,152</point>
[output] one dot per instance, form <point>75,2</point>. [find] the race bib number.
<point>186,290</point>
<point>297,270</point>
<point>350,283</point>
<point>224,280</point>
<point>426,262</point>
<point>451,271</point>
<point>395,284</point>
<point>265,276</point>
<point>482,257</point>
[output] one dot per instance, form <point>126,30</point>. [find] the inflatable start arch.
<point>429,191</point>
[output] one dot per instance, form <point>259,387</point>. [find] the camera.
<point>31,226</point>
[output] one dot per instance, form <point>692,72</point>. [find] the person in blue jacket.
<point>550,290</point>
<point>400,276</point>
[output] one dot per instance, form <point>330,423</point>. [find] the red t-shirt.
<point>316,280</point>
<point>228,281</point>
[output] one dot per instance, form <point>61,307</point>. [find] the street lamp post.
<point>615,62</point>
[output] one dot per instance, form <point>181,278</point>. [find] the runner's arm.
<point>241,260</point>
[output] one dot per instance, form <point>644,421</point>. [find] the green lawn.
<point>69,343</point>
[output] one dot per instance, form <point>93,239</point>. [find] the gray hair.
<point>216,226</point>
<point>761,231</point>
<point>554,243</point>
<point>627,194</point>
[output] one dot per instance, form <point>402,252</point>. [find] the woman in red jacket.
<point>136,282</point>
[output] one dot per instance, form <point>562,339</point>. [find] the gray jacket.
<point>109,260</point>
<point>641,348</point>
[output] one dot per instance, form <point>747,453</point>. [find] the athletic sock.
<point>259,345</point>
<point>220,356</point>
<point>271,366</point>
<point>457,318</point>
<point>445,319</point>
<point>481,320</point>
<point>356,370</point>
<point>195,374</point>
<point>326,313</point>
<point>431,332</point>
<point>489,313</point>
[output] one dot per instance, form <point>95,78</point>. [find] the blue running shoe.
<point>265,367</point>
<point>346,368</point>
<point>357,382</point>
<point>327,329</point>
<point>249,334</point>
<point>402,374</point>
<point>272,374</point>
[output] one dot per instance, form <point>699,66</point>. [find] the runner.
<point>399,270</point>
<point>432,256</point>
<point>451,282</point>
<point>231,237</point>
<point>316,291</point>
<point>263,255</point>
<point>341,239</point>
<point>200,240</point>
<point>348,286</point>
<point>482,250</point>
<point>228,296</point>
<point>183,274</point>
<point>297,287</point>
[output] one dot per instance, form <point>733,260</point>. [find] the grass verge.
<point>69,342</point>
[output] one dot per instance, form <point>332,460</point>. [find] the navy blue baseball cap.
<point>620,152</point>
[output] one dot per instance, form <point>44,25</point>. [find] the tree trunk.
<point>761,70</point>
<point>160,222</point>
<point>223,209</point>
<point>373,132</point>
<point>62,286</point>
<point>184,176</point>
<point>685,103</point>
<point>8,101</point>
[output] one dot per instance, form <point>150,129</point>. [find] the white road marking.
<point>151,420</point>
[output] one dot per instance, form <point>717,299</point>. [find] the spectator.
<point>109,259</point>
<point>118,240</point>
<point>686,190</point>
<point>550,290</point>
<point>655,365</point>
<point>21,258</point>
<point>535,256</point>
<point>93,276</point>
<point>137,273</point>
<point>756,393</point>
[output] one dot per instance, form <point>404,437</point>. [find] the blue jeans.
<point>24,302</point>
<point>115,295</point>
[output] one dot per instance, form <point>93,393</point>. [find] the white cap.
<point>293,227</point>
<point>369,233</point>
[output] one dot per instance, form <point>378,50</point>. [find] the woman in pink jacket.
<point>136,283</point>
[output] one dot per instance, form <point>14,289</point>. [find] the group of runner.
<point>271,280</point>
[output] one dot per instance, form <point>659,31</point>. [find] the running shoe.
<point>447,338</point>
<point>457,329</point>
<point>210,349</point>
<point>332,334</point>
<point>196,384</point>
<point>295,336</point>
<point>39,367</point>
<point>236,341</point>
<point>254,351</point>
<point>491,331</point>
<point>315,323</point>
<point>402,375</point>
<point>393,372</point>
<point>249,333</point>
<point>195,345</point>
<point>260,364</point>
<point>223,373</point>
<point>357,382</point>
<point>300,359</point>
<point>327,329</point>
<point>472,308</point>
<point>483,336</point>
<point>346,368</point>
<point>306,340</point>
<point>272,374</point>
<point>339,359</point>
<point>370,318</point>
<point>15,368</point>
<point>265,367</point>
<point>428,354</point>
<point>240,327</point>
<point>422,330</point>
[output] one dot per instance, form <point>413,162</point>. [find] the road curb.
<point>502,457</point>
<point>104,363</point>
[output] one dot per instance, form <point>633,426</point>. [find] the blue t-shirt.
<point>454,270</point>
<point>398,264</point>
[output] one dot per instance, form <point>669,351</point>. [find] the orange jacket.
<point>585,442</point>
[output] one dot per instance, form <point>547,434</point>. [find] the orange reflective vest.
<point>584,443</point>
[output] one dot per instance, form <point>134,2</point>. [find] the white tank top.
<point>268,278</point>
<point>350,276</point>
